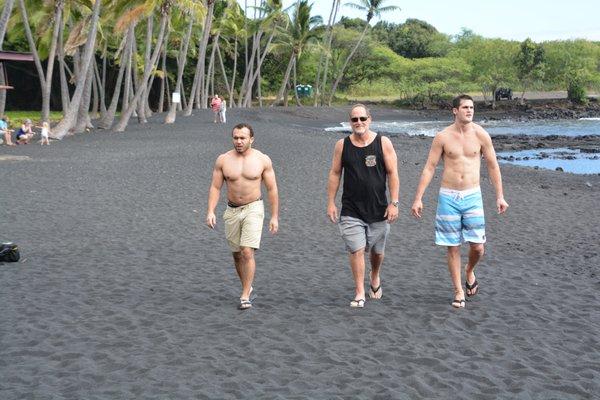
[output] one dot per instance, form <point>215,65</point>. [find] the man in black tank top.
<point>367,161</point>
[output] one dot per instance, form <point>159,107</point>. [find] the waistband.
<point>459,194</point>
<point>233,205</point>
<point>466,192</point>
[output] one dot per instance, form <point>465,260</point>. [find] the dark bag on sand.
<point>9,252</point>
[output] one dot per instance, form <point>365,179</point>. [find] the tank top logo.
<point>370,161</point>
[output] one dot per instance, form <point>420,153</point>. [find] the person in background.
<point>215,105</point>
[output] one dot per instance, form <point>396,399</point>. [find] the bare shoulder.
<point>223,158</point>
<point>265,159</point>
<point>443,135</point>
<point>386,143</point>
<point>481,133</point>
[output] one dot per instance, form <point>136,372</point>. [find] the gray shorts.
<point>358,234</point>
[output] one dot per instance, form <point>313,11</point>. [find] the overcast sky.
<point>508,19</point>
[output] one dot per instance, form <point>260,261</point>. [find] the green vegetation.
<point>15,118</point>
<point>121,58</point>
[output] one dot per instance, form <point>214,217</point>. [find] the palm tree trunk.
<point>325,54</point>
<point>101,92</point>
<point>294,87</point>
<point>107,121</point>
<point>64,85</point>
<point>181,61</point>
<point>286,78</point>
<point>248,99</point>
<point>202,53</point>
<point>6,11</point>
<point>233,73</point>
<point>122,124</point>
<point>341,73</point>
<point>211,65</point>
<point>223,72</point>
<point>69,118</point>
<point>83,114</point>
<point>161,98</point>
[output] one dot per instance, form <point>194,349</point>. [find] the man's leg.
<point>376,262</point>
<point>245,267</point>
<point>476,251</point>
<point>357,264</point>
<point>454,268</point>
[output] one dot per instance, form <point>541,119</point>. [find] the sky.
<point>540,20</point>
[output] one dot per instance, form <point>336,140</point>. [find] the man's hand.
<point>502,205</point>
<point>417,208</point>
<point>211,220</point>
<point>332,213</point>
<point>274,225</point>
<point>391,213</point>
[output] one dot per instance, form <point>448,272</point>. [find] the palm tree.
<point>6,11</point>
<point>373,8</point>
<point>70,114</point>
<point>164,10</point>
<point>45,78</point>
<point>198,84</point>
<point>325,54</point>
<point>192,14</point>
<point>302,31</point>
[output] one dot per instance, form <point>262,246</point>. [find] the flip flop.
<point>357,303</point>
<point>474,288</point>
<point>245,304</point>
<point>459,303</point>
<point>373,292</point>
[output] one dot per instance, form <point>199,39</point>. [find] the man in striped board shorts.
<point>459,216</point>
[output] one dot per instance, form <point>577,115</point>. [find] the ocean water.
<point>567,159</point>
<point>576,127</point>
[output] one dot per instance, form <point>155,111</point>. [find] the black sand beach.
<point>123,293</point>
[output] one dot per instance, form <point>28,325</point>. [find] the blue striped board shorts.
<point>459,217</point>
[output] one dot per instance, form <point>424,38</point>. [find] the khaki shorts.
<point>243,225</point>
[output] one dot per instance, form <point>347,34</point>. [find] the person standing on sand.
<point>460,215</point>
<point>367,161</point>
<point>243,169</point>
<point>215,105</point>
<point>223,111</point>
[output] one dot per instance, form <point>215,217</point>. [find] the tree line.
<point>116,58</point>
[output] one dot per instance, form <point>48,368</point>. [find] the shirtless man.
<point>460,208</point>
<point>243,169</point>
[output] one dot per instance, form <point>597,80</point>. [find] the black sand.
<point>123,293</point>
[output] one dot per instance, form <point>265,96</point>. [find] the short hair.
<point>360,105</point>
<point>242,126</point>
<point>458,99</point>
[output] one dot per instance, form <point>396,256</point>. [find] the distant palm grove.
<point>101,62</point>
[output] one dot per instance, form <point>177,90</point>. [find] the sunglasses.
<point>355,119</point>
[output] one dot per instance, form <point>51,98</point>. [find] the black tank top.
<point>364,195</point>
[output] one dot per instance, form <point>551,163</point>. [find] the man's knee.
<point>478,249</point>
<point>453,251</point>
<point>358,253</point>
<point>247,253</point>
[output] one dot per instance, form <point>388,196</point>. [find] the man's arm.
<point>214,192</point>
<point>391,168</point>
<point>271,185</point>
<point>487,149</point>
<point>435,153</point>
<point>333,183</point>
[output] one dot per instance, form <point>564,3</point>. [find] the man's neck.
<point>364,138</point>
<point>462,126</point>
